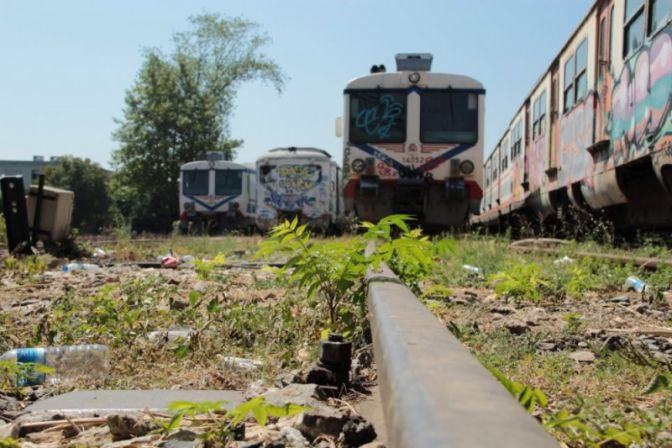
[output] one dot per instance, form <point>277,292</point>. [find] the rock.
<point>656,314</point>
<point>126,426</point>
<point>358,431</point>
<point>178,303</point>
<point>6,430</point>
<point>641,308</point>
<point>620,300</point>
<point>502,309</point>
<point>200,287</point>
<point>618,322</point>
<point>516,326</point>
<point>184,435</point>
<point>664,436</point>
<point>293,438</point>
<point>547,346</point>
<point>582,356</point>
<point>302,394</point>
<point>287,378</point>
<point>181,444</point>
<point>458,301</point>
<point>582,345</point>
<point>255,389</point>
<point>10,404</point>
<point>326,420</point>
<point>593,333</point>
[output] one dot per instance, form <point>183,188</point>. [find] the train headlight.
<point>467,167</point>
<point>414,77</point>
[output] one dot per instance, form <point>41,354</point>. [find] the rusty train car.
<point>595,132</point>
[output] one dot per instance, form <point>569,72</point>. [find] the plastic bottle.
<point>635,284</point>
<point>472,269</point>
<point>75,266</point>
<point>68,362</point>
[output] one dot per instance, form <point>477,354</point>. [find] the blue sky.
<point>66,65</point>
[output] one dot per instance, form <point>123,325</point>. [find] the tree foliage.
<point>179,109</point>
<point>89,182</point>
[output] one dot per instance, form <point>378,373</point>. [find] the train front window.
<point>448,117</point>
<point>228,182</point>
<point>377,117</point>
<point>195,182</point>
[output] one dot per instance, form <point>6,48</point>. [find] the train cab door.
<point>604,82</point>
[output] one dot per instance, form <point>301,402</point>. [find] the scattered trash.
<point>169,262</point>
<point>79,266</point>
<point>247,365</point>
<point>633,283</point>
<point>101,254</point>
<point>68,361</point>
<point>564,261</point>
<point>172,335</point>
<point>187,259</point>
<point>472,269</point>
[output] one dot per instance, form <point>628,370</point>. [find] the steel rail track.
<point>434,392</point>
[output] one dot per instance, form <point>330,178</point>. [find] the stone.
<point>618,322</point>
<point>656,314</point>
<point>178,303</point>
<point>593,333</point>
<point>255,388</point>
<point>582,356</point>
<point>293,438</point>
<point>301,394</point>
<point>582,345</point>
<point>181,444</point>
<point>326,421</point>
<point>502,309</point>
<point>459,301</point>
<point>516,326</point>
<point>127,426</point>
<point>641,308</point>
<point>358,431</point>
<point>547,346</point>
<point>287,378</point>
<point>10,404</point>
<point>621,300</point>
<point>664,436</point>
<point>241,364</point>
<point>184,435</point>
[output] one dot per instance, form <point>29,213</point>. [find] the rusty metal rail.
<point>434,392</point>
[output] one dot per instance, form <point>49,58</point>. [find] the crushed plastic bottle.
<point>472,269</point>
<point>245,364</point>
<point>563,261</point>
<point>67,362</point>
<point>633,283</point>
<point>77,266</point>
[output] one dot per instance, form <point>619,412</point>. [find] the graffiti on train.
<point>377,121</point>
<point>641,100</point>
<point>576,134</point>
<point>538,162</point>
<point>288,201</point>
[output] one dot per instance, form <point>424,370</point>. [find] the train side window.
<point>266,174</point>
<point>569,84</point>
<point>602,60</point>
<point>581,79</point>
<point>634,26</point>
<point>661,13</point>
<point>542,112</point>
<point>517,140</point>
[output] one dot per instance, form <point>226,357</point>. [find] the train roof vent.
<point>214,156</point>
<point>414,62</point>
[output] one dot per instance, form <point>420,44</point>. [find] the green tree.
<point>89,181</point>
<point>179,109</point>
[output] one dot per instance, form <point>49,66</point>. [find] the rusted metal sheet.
<point>434,392</point>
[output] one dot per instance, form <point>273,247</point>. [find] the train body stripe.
<point>212,207</point>
<point>410,172</point>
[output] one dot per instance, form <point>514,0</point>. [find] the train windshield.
<point>377,117</point>
<point>228,182</point>
<point>195,182</point>
<point>291,179</point>
<point>449,117</point>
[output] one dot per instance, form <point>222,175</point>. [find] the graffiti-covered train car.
<point>413,143</point>
<point>298,182</point>
<point>217,194</point>
<point>596,131</point>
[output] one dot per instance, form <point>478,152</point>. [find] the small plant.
<point>9,442</point>
<point>204,267</point>
<point>527,396</point>
<point>521,281</point>
<point>574,322</point>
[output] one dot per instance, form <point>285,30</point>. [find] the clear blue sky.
<point>66,64</point>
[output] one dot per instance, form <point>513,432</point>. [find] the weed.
<point>521,281</point>
<point>8,442</point>
<point>573,322</point>
<point>204,267</point>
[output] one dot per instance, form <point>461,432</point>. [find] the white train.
<point>303,182</point>
<point>413,143</point>
<point>217,194</point>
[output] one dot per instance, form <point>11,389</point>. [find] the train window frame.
<point>505,156</point>
<point>185,183</point>
<point>352,117</point>
<point>581,75</point>
<point>629,23</point>
<point>651,29</point>
<point>568,85</point>
<point>539,115</point>
<point>517,139</point>
<point>236,192</point>
<point>469,108</point>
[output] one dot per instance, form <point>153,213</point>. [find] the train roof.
<point>399,80</point>
<point>219,164</point>
<point>308,152</point>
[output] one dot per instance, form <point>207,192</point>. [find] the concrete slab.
<point>87,403</point>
